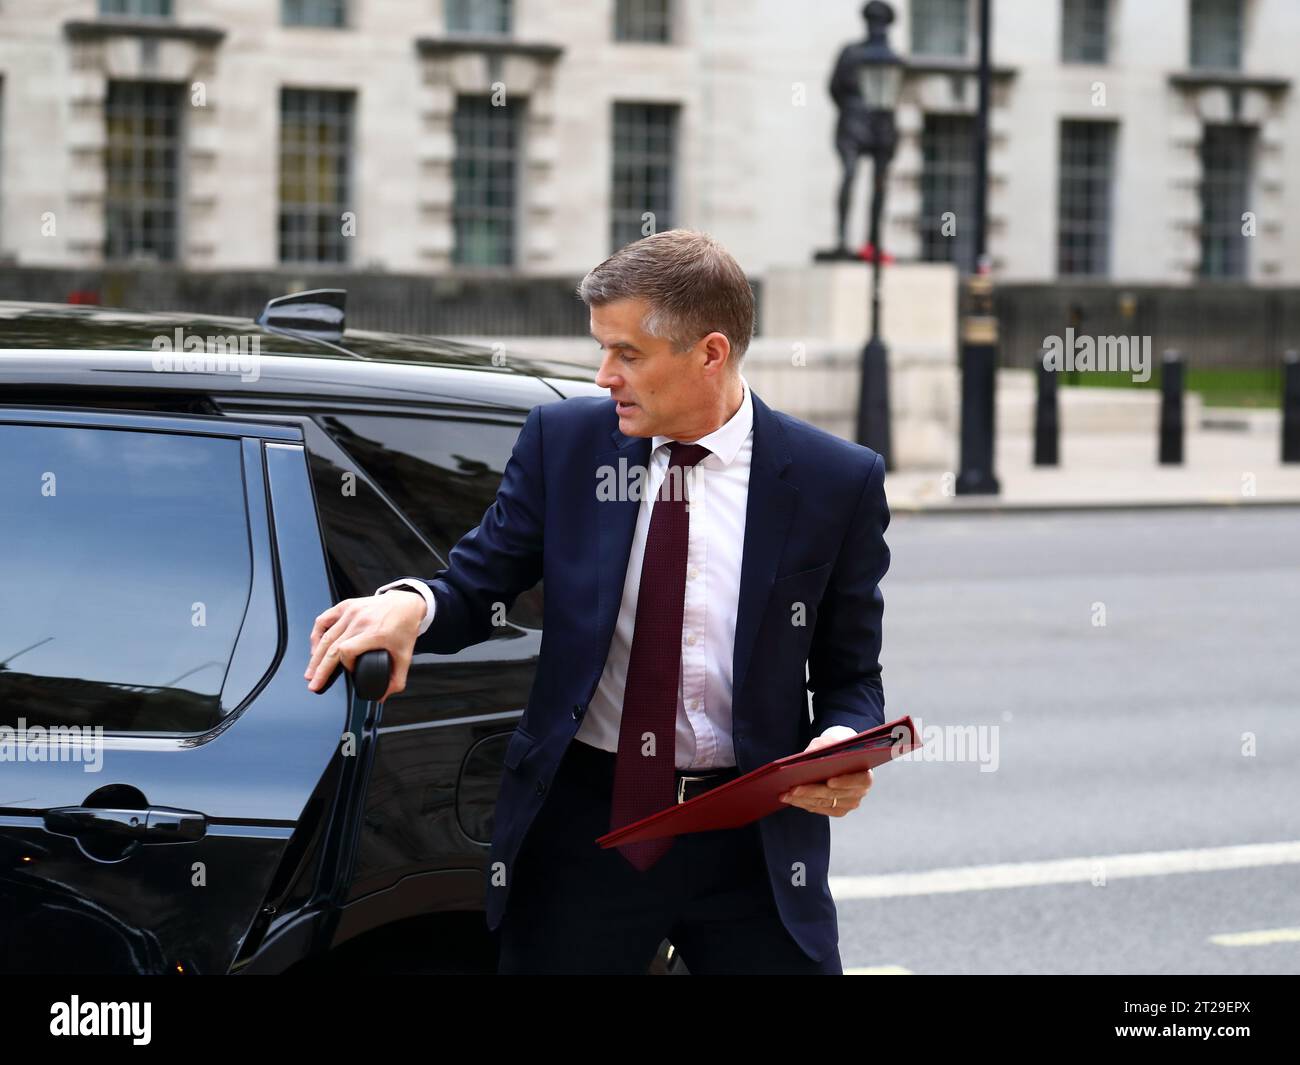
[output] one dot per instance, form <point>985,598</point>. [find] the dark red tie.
<point>644,776</point>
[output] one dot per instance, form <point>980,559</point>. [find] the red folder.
<point>756,794</point>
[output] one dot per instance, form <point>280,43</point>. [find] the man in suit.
<point>707,561</point>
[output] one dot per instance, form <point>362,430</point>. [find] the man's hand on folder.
<point>846,791</point>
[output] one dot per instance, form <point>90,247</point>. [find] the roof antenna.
<point>316,313</point>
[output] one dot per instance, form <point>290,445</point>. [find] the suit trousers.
<point>577,908</point>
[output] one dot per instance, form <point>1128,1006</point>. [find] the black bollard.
<point>1171,409</point>
<point>1291,406</point>
<point>874,429</point>
<point>979,363</point>
<point>1047,418</point>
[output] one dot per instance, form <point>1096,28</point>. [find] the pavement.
<point>1231,458</point>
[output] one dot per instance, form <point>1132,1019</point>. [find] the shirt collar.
<point>726,440</point>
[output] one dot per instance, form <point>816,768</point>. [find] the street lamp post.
<point>880,78</point>
<point>979,340</point>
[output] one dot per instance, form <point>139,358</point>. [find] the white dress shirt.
<point>718,490</point>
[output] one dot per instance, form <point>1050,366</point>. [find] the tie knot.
<point>686,455</point>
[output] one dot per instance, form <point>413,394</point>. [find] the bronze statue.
<point>862,129</point>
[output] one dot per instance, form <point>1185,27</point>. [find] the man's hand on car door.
<point>345,631</point>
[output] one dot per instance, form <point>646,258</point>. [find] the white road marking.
<point>1261,938</point>
<point>1064,871</point>
<point>878,970</point>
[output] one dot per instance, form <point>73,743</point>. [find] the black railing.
<point>1214,326</point>
<point>445,305</point>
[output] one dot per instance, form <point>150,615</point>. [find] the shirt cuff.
<point>430,604</point>
<point>838,732</point>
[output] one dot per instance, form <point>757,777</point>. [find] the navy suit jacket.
<point>814,535</point>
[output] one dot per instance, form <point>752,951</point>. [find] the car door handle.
<point>156,824</point>
<point>370,673</point>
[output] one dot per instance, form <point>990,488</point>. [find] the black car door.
<point>159,576</point>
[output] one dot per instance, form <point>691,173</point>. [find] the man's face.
<point>658,390</point>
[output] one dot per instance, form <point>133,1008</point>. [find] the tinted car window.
<point>367,543</point>
<point>124,576</point>
<point>443,472</point>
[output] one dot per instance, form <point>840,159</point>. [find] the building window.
<point>643,20</point>
<point>947,225</point>
<point>1216,34</point>
<point>645,140</point>
<point>940,27</point>
<point>478,16</point>
<point>1226,153</point>
<point>485,177</point>
<point>137,8</point>
<point>315,174</point>
<point>142,165</point>
<point>331,13</point>
<point>1085,178</point>
<point>1084,30</point>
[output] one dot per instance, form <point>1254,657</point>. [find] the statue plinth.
<point>823,311</point>
<point>831,300</point>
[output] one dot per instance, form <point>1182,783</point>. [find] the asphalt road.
<point>1155,747</point>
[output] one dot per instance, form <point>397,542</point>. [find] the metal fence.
<point>432,306</point>
<point>1215,326</point>
<point>460,305</point>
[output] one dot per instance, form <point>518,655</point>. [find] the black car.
<point>181,497</point>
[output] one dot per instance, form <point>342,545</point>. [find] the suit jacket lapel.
<point>615,522</point>
<point>768,514</point>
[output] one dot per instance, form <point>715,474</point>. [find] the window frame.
<point>1244,177</point>
<point>643,160</point>
<point>1079,58</point>
<point>622,18</point>
<point>487,158</point>
<point>452,9</point>
<point>137,204</point>
<point>343,6</point>
<point>315,208</point>
<point>1210,21</point>
<point>1110,132</point>
<point>963,246</point>
<point>169,11</point>
<point>967,37</point>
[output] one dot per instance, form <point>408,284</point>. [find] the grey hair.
<point>691,282</point>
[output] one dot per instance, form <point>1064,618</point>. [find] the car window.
<point>443,472</point>
<point>367,542</point>
<point>124,577</point>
